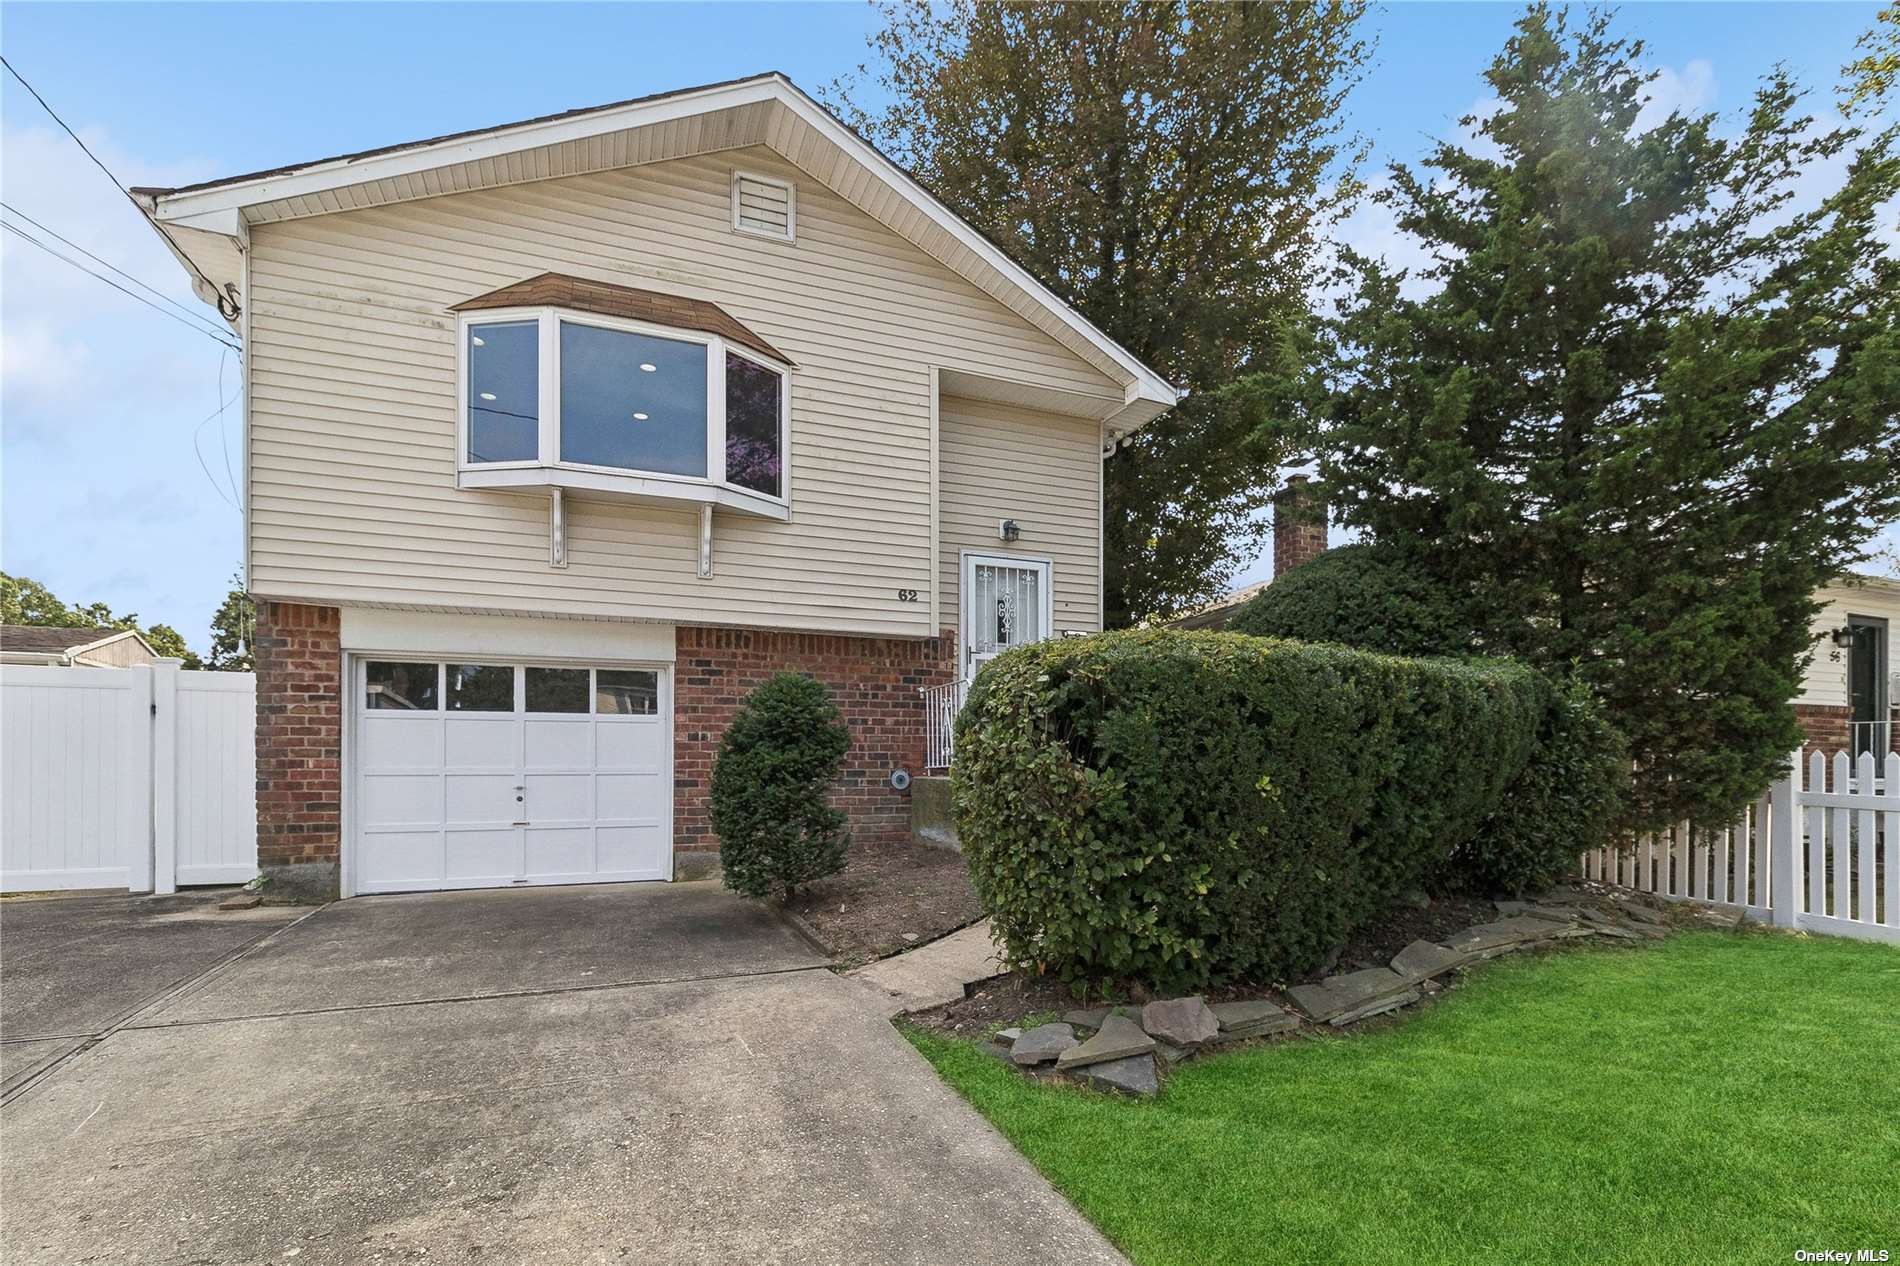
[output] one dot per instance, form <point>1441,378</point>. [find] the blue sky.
<point>105,498</point>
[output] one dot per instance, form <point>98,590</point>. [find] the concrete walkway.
<point>932,974</point>
<point>628,1074</point>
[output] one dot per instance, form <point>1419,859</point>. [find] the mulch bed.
<point>885,892</point>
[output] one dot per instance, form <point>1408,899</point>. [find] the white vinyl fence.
<point>140,778</point>
<point>1812,854</point>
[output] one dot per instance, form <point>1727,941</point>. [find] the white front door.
<point>1005,603</point>
<point>480,774</point>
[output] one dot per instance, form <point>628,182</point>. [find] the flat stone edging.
<point>1129,1045</point>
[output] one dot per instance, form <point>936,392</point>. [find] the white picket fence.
<point>139,778</point>
<point>1811,854</point>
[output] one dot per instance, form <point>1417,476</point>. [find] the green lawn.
<point>1721,1097</point>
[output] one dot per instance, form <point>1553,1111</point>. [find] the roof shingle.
<point>31,637</point>
<point>558,290</point>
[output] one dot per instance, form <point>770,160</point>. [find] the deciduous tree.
<point>24,600</point>
<point>1167,168</point>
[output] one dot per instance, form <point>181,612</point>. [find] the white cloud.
<point>37,366</point>
<point>1468,134</point>
<point>99,394</point>
<point>1690,91</point>
<point>1372,229</point>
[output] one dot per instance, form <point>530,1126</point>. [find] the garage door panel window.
<point>557,689</point>
<point>481,688</point>
<point>626,692</point>
<point>402,687</point>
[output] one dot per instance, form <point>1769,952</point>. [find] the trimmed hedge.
<point>1192,808</point>
<point>1567,801</point>
<point>1363,596</point>
<point>776,763</point>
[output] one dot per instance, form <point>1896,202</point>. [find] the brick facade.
<point>1826,728</point>
<point>1299,527</point>
<point>874,681</point>
<point>300,729</point>
<point>299,745</point>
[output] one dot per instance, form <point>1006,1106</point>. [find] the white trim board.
<point>515,637</point>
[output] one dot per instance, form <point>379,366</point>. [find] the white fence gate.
<point>141,778</point>
<point>1814,855</point>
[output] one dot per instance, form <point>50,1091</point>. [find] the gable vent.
<point>763,206</point>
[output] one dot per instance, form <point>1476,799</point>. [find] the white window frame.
<point>548,470</point>
<point>791,207</point>
<point>966,585</point>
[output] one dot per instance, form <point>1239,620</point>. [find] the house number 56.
<point>907,595</point>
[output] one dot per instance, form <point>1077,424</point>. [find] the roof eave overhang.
<point>219,209</point>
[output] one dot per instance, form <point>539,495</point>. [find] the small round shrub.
<point>1566,802</point>
<point>1186,809</point>
<point>1361,596</point>
<point>776,762</point>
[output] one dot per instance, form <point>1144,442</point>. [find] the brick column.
<point>299,749</point>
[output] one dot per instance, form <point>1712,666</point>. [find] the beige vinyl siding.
<point>1042,470</point>
<point>121,653</point>
<point>1825,682</point>
<point>353,403</point>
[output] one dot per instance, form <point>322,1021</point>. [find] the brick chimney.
<point>1299,526</point>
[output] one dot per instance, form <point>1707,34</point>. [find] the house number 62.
<point>907,595</point>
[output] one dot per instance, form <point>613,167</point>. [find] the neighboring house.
<point>561,436</point>
<point>65,648</point>
<point>1848,701</point>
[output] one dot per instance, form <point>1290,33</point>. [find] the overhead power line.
<point>24,236</point>
<point>194,314</point>
<point>234,498</point>
<point>226,308</point>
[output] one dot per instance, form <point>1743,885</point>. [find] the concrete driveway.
<point>639,1073</point>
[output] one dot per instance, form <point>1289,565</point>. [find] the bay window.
<point>562,398</point>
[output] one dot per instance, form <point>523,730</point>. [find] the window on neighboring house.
<point>558,390</point>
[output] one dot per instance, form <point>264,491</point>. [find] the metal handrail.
<point>941,705</point>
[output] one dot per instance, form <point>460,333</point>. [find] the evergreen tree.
<point>1651,404</point>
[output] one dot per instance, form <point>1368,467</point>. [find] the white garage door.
<point>485,775</point>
